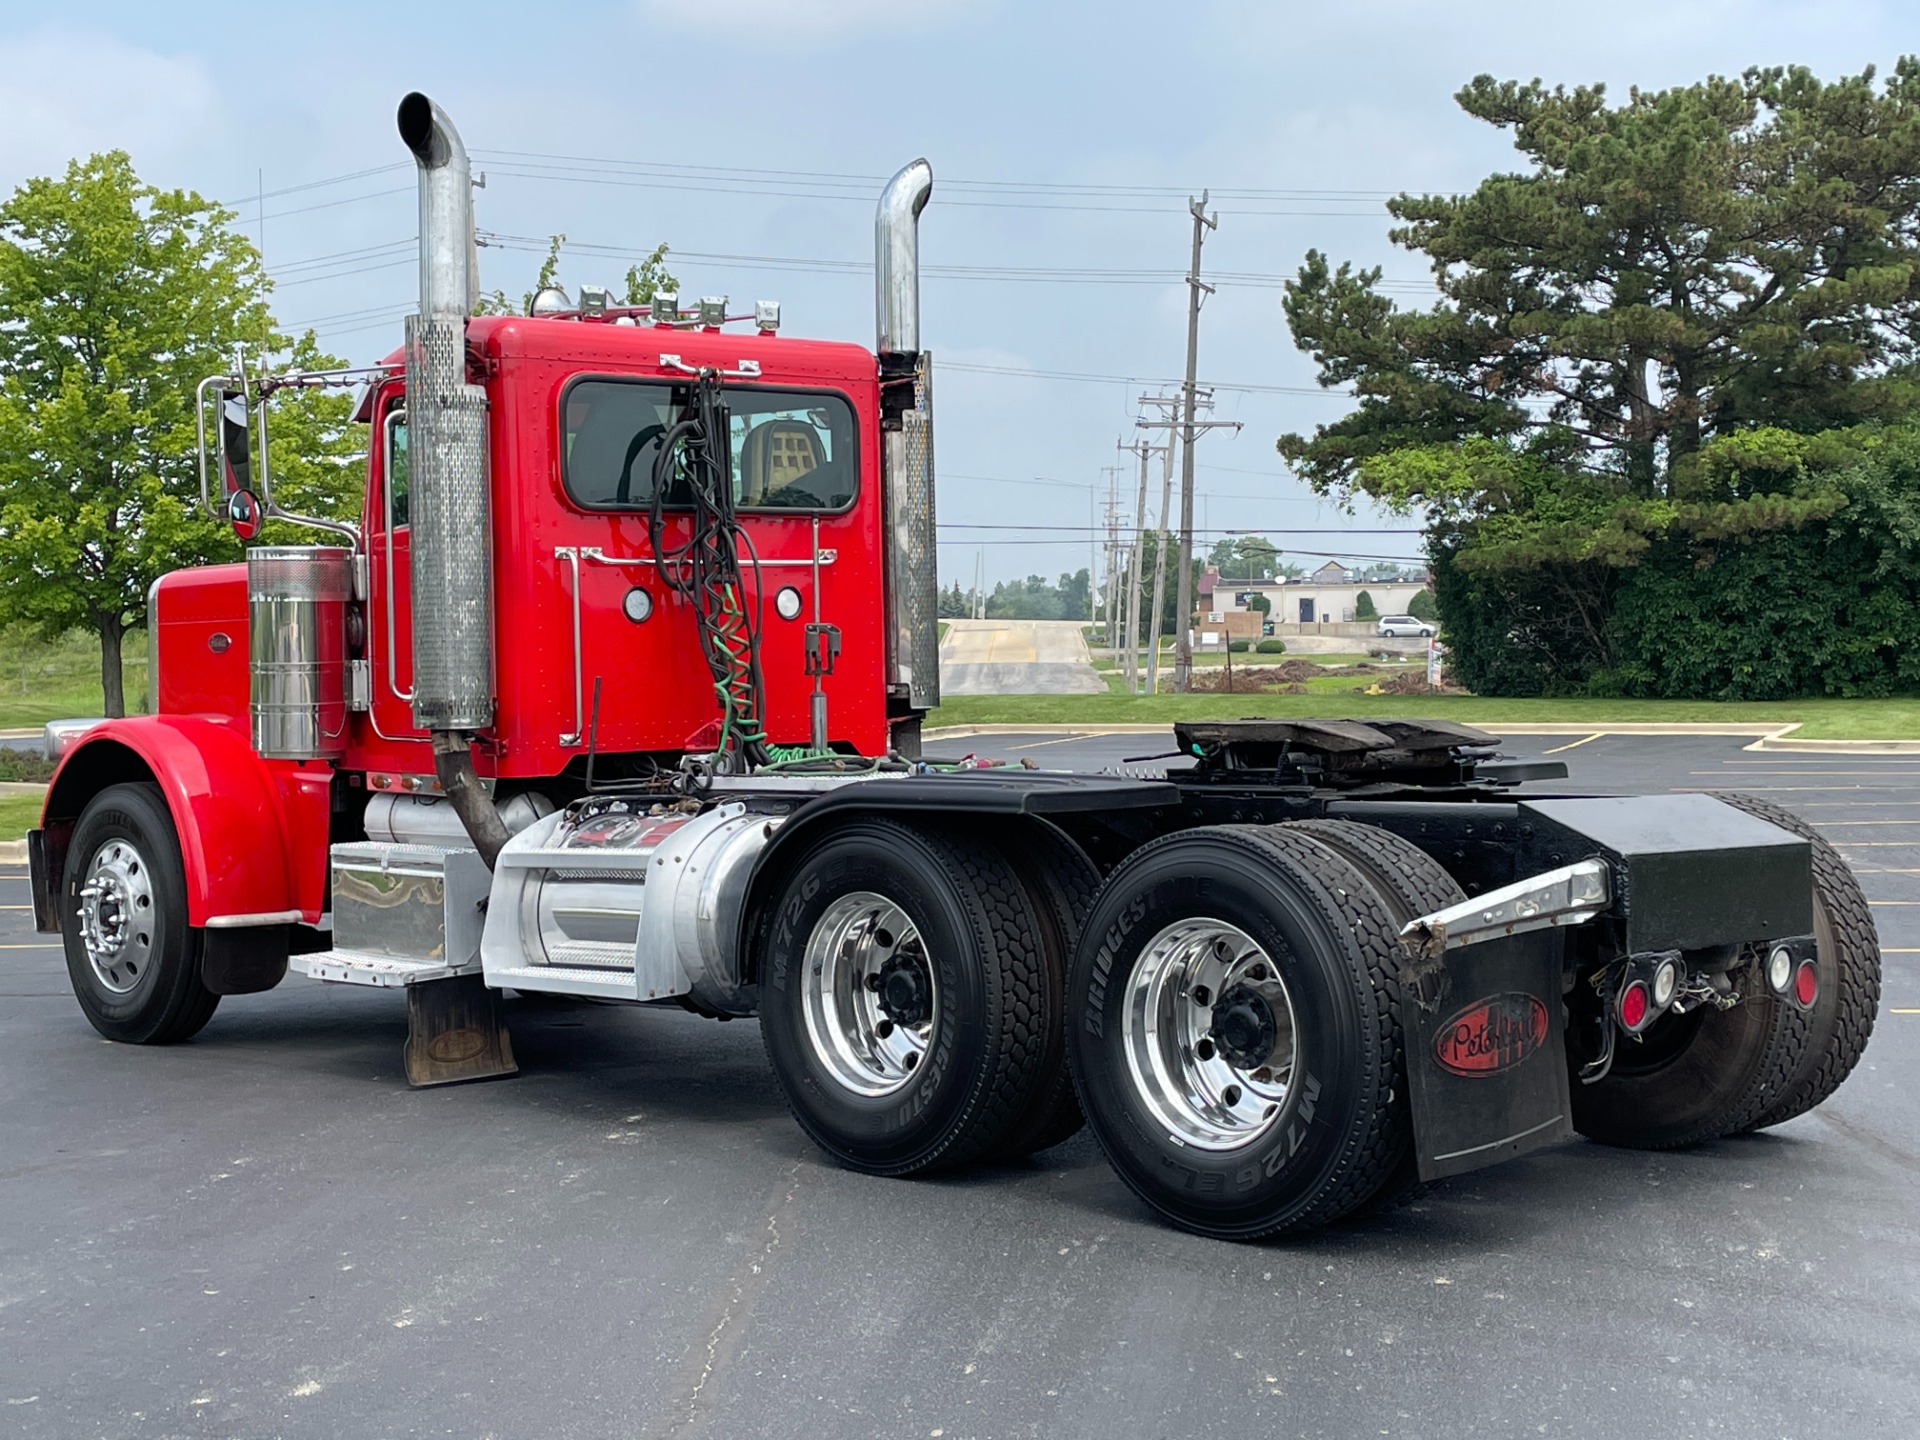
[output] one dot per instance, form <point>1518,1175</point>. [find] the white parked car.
<point>1404,625</point>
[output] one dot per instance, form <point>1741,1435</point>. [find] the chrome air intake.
<point>297,597</point>
<point>447,420</point>
<point>913,584</point>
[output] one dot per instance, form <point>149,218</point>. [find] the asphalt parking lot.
<point>265,1233</point>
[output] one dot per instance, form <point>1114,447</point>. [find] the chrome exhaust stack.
<point>906,422</point>
<point>447,418</point>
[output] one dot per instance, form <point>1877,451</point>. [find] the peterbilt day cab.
<point>614,690</point>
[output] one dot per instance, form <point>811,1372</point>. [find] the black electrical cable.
<point>706,569</point>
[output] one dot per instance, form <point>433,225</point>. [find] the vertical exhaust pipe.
<point>447,421</point>
<point>906,422</point>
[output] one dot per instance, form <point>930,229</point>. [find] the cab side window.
<point>394,465</point>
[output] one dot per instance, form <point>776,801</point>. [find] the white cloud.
<point>800,22</point>
<point>68,94</point>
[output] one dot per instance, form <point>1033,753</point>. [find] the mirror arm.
<point>273,511</point>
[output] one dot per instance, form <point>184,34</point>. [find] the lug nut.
<point>1256,972</point>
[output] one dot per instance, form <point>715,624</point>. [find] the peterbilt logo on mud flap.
<point>1493,1034</point>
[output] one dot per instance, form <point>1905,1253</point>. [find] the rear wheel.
<point>1060,882</point>
<point>1693,1077</point>
<point>133,960</point>
<point>1847,960</point>
<point>1235,1040</point>
<point>903,997</point>
<point>1410,883</point>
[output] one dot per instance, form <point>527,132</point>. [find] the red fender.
<point>253,836</point>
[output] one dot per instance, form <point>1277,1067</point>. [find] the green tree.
<point>650,278</point>
<point>1363,607</point>
<point>116,298</point>
<point>643,281</point>
<point>1170,600</point>
<point>1245,557</point>
<point>1034,599</point>
<point>1632,332</point>
<point>1422,606</point>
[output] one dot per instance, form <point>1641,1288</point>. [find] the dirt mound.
<point>1286,678</point>
<point>1405,684</point>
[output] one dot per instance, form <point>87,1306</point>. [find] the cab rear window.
<point>789,449</point>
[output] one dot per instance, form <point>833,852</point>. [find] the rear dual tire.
<point>904,997</point>
<point>1709,1073</point>
<point>1242,1138</point>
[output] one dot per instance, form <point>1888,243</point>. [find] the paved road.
<point>264,1233</point>
<point>1017,657</point>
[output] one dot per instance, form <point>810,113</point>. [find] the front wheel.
<point>133,960</point>
<point>903,997</point>
<point>1235,1040</point>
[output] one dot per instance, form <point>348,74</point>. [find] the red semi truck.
<point>614,690</point>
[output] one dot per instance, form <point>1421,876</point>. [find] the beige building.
<point>1329,596</point>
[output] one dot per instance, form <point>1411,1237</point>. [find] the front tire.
<point>903,997</point>
<point>133,960</point>
<point>1235,1037</point>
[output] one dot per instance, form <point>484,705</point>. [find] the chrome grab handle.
<point>571,554</point>
<point>386,498</point>
<point>746,370</point>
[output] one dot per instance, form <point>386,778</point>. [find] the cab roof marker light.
<point>766,316</point>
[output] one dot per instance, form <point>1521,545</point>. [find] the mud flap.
<point>455,1033</point>
<point>1486,1053</point>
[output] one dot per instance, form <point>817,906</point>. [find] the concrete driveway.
<point>1017,657</point>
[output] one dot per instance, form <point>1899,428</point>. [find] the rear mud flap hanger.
<point>1571,895</point>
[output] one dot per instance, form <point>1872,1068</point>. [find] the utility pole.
<point>1135,560</point>
<point>1109,599</point>
<point>1169,407</point>
<point>1183,641</point>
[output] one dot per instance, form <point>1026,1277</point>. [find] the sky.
<point>1065,140</point>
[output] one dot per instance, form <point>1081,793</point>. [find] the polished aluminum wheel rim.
<point>1201,1091</point>
<point>117,916</point>
<point>861,940</point>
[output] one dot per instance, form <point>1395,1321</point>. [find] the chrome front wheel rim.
<point>117,916</point>
<point>1210,1036</point>
<point>871,1000</point>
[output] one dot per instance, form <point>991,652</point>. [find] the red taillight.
<point>1806,984</point>
<point>1634,1004</point>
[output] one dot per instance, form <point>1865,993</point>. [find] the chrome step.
<point>564,980</point>
<point>353,967</point>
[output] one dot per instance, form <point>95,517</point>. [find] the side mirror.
<point>236,443</point>
<point>245,514</point>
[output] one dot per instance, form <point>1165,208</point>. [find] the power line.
<point>1094,379</point>
<point>1048,274</point>
<point>1235,530</point>
<point>319,184</point>
<point>834,176</point>
<point>643,181</point>
<point>345,200</point>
